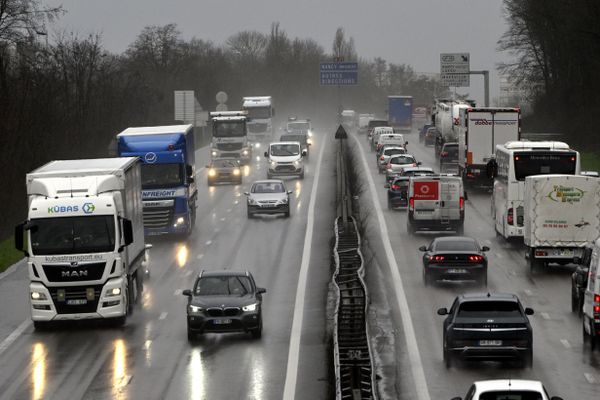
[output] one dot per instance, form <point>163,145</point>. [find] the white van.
<point>378,131</point>
<point>591,300</point>
<point>285,159</point>
<point>397,139</point>
<point>436,203</point>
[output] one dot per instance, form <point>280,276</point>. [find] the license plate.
<point>476,171</point>
<point>457,271</point>
<point>268,205</point>
<point>222,321</point>
<point>76,302</point>
<point>490,342</point>
<point>563,252</point>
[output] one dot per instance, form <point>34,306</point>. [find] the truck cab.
<point>169,189</point>
<point>260,113</point>
<point>230,136</point>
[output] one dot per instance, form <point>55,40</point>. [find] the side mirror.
<point>304,153</point>
<point>187,292</point>
<point>247,194</point>
<point>419,163</point>
<point>423,248</point>
<point>290,191</point>
<point>267,154</point>
<point>19,241</point>
<point>261,290</point>
<point>442,311</point>
<point>528,311</point>
<point>189,170</point>
<point>485,248</point>
<point>127,232</point>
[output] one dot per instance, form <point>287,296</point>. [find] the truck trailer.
<point>400,113</point>
<point>85,249</point>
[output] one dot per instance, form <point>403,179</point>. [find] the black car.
<point>398,193</point>
<point>430,136</point>
<point>449,156</point>
<point>454,258</point>
<point>487,326</point>
<point>423,131</point>
<point>224,170</point>
<point>224,301</point>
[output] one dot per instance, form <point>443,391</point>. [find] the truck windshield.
<point>259,112</point>
<point>282,150</point>
<point>538,163</point>
<point>155,176</point>
<point>73,235</point>
<point>298,126</point>
<point>229,129</point>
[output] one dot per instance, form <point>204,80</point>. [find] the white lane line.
<point>528,292</point>
<point>565,343</point>
<point>163,315</point>
<point>188,273</point>
<point>414,356</point>
<point>208,242</point>
<point>499,255</point>
<point>199,256</point>
<point>590,378</point>
<point>291,374</point>
<point>177,292</point>
<point>545,315</point>
<point>8,341</point>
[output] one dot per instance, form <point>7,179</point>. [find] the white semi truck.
<point>561,216</point>
<point>260,115</point>
<point>84,242</point>
<point>230,136</point>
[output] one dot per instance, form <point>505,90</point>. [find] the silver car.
<point>384,155</point>
<point>397,162</point>
<point>268,197</point>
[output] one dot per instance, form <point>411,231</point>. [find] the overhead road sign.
<point>338,73</point>
<point>455,69</point>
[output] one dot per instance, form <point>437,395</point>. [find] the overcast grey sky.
<point>414,32</point>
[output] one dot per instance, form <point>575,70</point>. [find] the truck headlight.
<point>212,172</point>
<point>245,152</point>
<point>194,309</point>
<point>308,141</point>
<point>273,164</point>
<point>236,171</point>
<point>214,153</point>
<point>114,292</point>
<point>180,221</point>
<point>257,145</point>
<point>38,296</point>
<point>250,307</point>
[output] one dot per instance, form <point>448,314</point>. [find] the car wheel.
<point>191,335</point>
<point>287,212</point>
<point>250,213</point>
<point>257,333</point>
<point>302,175</point>
<point>528,359</point>
<point>447,358</point>
<point>41,325</point>
<point>483,279</point>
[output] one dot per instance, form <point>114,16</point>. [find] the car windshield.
<point>510,395</point>
<point>223,286</point>
<point>285,150</point>
<point>456,245</point>
<point>451,150</point>
<point>73,235</point>
<point>489,309</point>
<point>156,176</point>
<point>389,152</point>
<point>268,187</point>
<point>298,126</point>
<point>402,160</point>
<point>229,128</point>
<point>224,163</point>
<point>293,138</point>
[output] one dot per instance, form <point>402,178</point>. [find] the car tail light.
<point>510,217</point>
<point>444,154</point>
<point>395,187</point>
<point>596,305</point>
<point>382,158</point>
<point>475,258</point>
<point>434,259</point>
<point>411,204</point>
<point>540,253</point>
<point>462,204</point>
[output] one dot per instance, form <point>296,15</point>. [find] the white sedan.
<point>508,389</point>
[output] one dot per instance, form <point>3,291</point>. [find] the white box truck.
<point>561,216</point>
<point>84,242</point>
<point>479,131</point>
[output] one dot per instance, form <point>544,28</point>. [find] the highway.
<point>560,361</point>
<point>150,358</point>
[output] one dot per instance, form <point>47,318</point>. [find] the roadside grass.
<point>8,254</point>
<point>590,162</point>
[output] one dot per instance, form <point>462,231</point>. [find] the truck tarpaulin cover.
<point>561,210</point>
<point>426,190</point>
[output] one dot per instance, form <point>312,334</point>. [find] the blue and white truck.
<point>169,191</point>
<point>400,111</point>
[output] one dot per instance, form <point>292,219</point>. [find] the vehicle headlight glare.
<point>296,163</point>
<point>245,152</point>
<point>236,171</point>
<point>195,309</point>
<point>114,292</point>
<point>250,307</point>
<point>38,296</point>
<point>180,221</point>
<point>212,172</point>
<point>214,153</point>
<point>273,163</point>
<point>310,133</point>
<point>309,141</point>
<point>257,145</point>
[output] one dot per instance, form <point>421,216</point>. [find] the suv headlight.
<point>250,307</point>
<point>194,309</point>
<point>35,295</point>
<point>251,201</point>
<point>284,201</point>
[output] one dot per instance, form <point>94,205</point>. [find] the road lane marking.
<point>528,292</point>
<point>188,273</point>
<point>590,378</point>
<point>199,257</point>
<point>545,315</point>
<point>565,343</point>
<point>8,341</point>
<point>499,255</point>
<point>177,292</point>
<point>291,374</point>
<point>420,382</point>
<point>208,242</point>
<point>163,315</point>
<point>488,241</point>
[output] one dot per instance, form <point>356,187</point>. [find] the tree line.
<point>556,49</point>
<point>68,97</point>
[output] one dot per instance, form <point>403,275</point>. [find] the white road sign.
<point>454,69</point>
<point>185,105</point>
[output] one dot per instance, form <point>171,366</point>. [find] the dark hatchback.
<point>224,170</point>
<point>224,301</point>
<point>486,326</point>
<point>398,193</point>
<point>423,131</point>
<point>430,136</point>
<point>454,258</point>
<point>449,156</point>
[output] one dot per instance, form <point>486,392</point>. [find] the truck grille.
<point>229,146</point>
<point>285,167</point>
<point>157,217</point>
<point>220,312</point>
<point>74,273</point>
<point>76,293</point>
<point>230,155</point>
